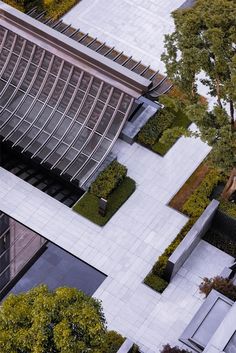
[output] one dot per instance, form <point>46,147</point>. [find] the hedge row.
<point>194,207</point>
<point>221,242</point>
<point>153,129</point>
<point>108,180</point>
<point>199,199</point>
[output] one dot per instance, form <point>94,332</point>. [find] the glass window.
<point>47,88</point>
<point>57,154</point>
<point>25,106</point>
<point>46,60</point>
<point>56,93</point>
<point>62,127</point>
<point>75,76</point>
<point>15,100</point>
<point>32,114</point>
<point>3,57</point>
<point>19,72</point>
<point>106,118</point>
<point>53,121</point>
<point>82,138</point>
<point>92,144</point>
<point>37,55</point>
<point>48,147</point>
<point>116,123</point>
<point>39,140</point>
<point>72,132</point>
<point>10,126</point>
<point>28,78</point>
<point>43,117</point>
<point>7,95</point>
<point>37,82</point>
<point>85,81</point>
<point>115,98</point>
<point>10,67</point>
<point>76,104</point>
<point>65,101</point>
<point>28,50</point>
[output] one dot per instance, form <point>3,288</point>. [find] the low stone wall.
<point>192,238</point>
<point>126,346</point>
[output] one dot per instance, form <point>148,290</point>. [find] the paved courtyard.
<point>127,247</point>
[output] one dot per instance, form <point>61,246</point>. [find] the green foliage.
<point>203,40</point>
<point>155,126</point>
<point>112,342</point>
<point>41,321</point>
<point>155,282</point>
<point>87,206</point>
<point>199,199</point>
<point>108,180</point>
<point>168,349</point>
<point>228,207</point>
<point>159,267</point>
<point>221,242</point>
<point>56,8</point>
<point>222,285</point>
<point>53,8</point>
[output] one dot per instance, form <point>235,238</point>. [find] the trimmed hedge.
<point>221,242</point>
<point>108,180</point>
<point>87,206</point>
<point>199,199</point>
<point>194,207</point>
<point>228,207</point>
<point>155,282</point>
<point>221,284</point>
<point>153,129</point>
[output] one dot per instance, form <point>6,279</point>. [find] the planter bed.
<point>87,206</point>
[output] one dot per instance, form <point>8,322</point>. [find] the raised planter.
<point>191,240</point>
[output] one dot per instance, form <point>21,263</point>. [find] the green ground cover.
<point>87,206</point>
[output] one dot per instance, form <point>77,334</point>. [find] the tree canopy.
<point>204,41</point>
<point>41,321</point>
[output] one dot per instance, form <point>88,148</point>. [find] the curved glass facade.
<point>54,112</point>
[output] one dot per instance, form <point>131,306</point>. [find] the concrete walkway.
<point>127,247</point>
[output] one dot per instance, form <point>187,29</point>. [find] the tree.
<point>41,321</point>
<point>204,40</point>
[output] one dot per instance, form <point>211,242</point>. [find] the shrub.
<point>153,129</point>
<point>87,206</point>
<point>221,284</point>
<point>108,180</point>
<point>155,282</point>
<point>168,349</point>
<point>228,207</point>
<point>221,242</point>
<point>160,266</point>
<point>112,342</point>
<point>200,198</point>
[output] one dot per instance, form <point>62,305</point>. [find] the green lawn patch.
<point>87,206</point>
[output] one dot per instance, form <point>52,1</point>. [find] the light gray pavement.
<point>136,27</point>
<point>127,247</point>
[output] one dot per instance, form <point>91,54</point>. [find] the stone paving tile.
<point>135,27</point>
<point>127,247</point>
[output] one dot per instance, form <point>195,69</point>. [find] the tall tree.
<point>204,40</point>
<point>40,321</point>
